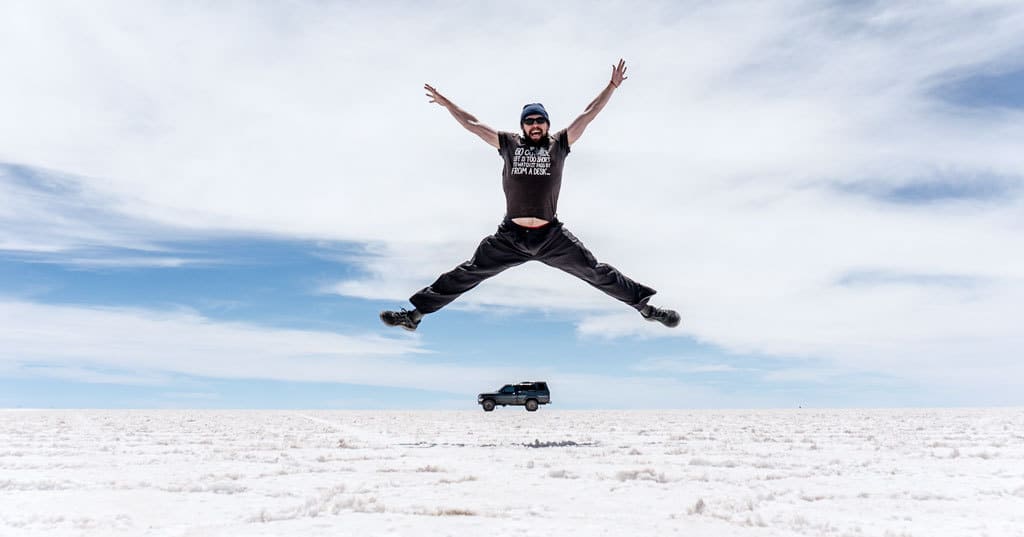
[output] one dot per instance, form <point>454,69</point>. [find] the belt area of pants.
<point>508,225</point>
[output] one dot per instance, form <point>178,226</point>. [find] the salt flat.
<point>706,473</point>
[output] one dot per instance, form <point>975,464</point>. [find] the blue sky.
<point>831,197</point>
<point>278,283</point>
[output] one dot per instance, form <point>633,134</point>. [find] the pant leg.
<point>494,254</point>
<point>566,252</point>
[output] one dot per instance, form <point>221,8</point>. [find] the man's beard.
<point>543,141</point>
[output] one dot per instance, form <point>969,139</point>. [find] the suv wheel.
<point>488,405</point>
<point>531,405</point>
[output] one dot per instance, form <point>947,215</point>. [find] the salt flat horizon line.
<point>467,410</point>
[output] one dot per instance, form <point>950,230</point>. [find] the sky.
<point>207,205</point>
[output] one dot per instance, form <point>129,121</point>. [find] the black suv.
<point>528,394</point>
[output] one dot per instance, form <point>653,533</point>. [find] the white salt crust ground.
<point>855,473</point>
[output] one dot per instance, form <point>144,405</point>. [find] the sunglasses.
<point>534,121</point>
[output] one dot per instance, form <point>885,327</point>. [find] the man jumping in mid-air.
<point>531,179</point>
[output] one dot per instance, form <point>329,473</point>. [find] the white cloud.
<point>93,344</point>
<point>598,391</point>
<point>710,176</point>
<point>45,212</point>
<point>684,366</point>
<point>151,348</point>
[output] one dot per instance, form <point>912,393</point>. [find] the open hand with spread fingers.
<point>435,96</point>
<point>619,73</point>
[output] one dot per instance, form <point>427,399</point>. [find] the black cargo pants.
<point>514,245</point>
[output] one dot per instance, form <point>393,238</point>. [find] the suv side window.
<point>507,389</point>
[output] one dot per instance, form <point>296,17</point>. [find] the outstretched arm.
<point>467,120</point>
<point>577,127</point>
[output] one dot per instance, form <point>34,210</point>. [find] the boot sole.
<point>386,323</point>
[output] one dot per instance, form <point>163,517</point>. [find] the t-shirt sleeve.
<point>562,139</point>
<point>505,141</point>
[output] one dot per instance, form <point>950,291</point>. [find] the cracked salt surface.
<point>714,473</point>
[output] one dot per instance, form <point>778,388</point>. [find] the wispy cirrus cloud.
<point>997,88</point>
<point>158,348</point>
<point>685,366</point>
<point>49,212</point>
<point>50,217</point>
<point>97,344</point>
<point>948,188</point>
<point>869,278</point>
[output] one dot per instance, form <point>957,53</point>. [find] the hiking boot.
<point>666,317</point>
<point>408,320</point>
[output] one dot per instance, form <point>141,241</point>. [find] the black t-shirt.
<point>532,175</point>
